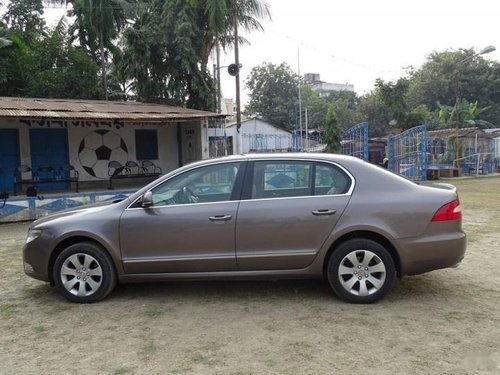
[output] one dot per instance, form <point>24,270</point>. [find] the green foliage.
<point>316,107</point>
<point>273,94</point>
<point>466,115</point>
<point>436,82</point>
<point>333,132</point>
<point>372,109</point>
<point>50,67</point>
<point>25,18</point>
<point>217,18</point>
<point>347,106</point>
<point>12,60</point>
<point>395,97</point>
<point>167,49</point>
<point>98,23</point>
<point>162,56</point>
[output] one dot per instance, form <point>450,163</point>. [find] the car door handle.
<point>323,212</point>
<point>220,218</point>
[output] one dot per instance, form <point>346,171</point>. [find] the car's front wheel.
<point>361,271</point>
<point>84,273</point>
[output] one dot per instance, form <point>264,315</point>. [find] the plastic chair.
<point>130,165</point>
<point>70,170</point>
<point>44,172</point>
<point>149,167</point>
<point>115,168</point>
<point>20,170</point>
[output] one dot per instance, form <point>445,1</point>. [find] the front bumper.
<point>36,260</point>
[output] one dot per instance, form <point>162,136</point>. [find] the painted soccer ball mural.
<point>98,148</point>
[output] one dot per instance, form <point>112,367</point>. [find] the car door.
<point>190,225</point>
<point>287,212</point>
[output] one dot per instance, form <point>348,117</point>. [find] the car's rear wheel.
<point>361,271</point>
<point>84,273</point>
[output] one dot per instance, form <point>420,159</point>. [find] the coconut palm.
<point>168,49</point>
<point>220,17</point>
<point>97,24</point>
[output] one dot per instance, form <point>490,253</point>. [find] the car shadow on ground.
<point>225,289</point>
<point>429,286</point>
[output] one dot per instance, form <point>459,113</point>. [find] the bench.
<point>472,169</point>
<point>46,175</point>
<point>432,173</point>
<point>131,169</point>
<point>449,172</point>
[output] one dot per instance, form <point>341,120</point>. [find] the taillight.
<point>450,211</point>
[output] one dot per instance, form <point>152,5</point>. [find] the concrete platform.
<point>22,208</point>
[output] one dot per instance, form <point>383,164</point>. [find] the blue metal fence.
<point>355,141</point>
<point>408,153</point>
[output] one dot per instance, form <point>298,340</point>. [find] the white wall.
<point>193,134</point>
<point>258,134</point>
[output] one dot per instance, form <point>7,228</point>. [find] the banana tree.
<point>465,115</point>
<point>462,116</point>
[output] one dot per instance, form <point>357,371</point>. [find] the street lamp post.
<point>458,95</point>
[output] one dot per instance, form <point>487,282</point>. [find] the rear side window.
<point>288,178</point>
<point>279,179</point>
<point>330,180</point>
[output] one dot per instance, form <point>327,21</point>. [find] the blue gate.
<point>9,157</point>
<point>355,141</point>
<point>408,153</point>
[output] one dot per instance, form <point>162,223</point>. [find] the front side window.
<point>212,183</point>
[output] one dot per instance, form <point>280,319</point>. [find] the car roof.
<point>280,156</point>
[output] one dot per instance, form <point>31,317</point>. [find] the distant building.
<point>325,88</point>
<point>255,135</point>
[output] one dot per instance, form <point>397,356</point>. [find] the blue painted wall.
<point>9,158</point>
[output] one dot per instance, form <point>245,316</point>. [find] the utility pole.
<point>219,99</point>
<point>237,62</point>
<point>300,100</point>
<point>307,134</point>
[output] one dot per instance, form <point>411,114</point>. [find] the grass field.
<point>443,322</point>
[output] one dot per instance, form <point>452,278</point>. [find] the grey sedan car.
<point>327,216</point>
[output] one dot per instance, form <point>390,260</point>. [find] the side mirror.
<point>147,199</point>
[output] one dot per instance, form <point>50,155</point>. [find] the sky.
<point>358,41</point>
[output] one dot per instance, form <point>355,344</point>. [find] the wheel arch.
<point>364,234</point>
<point>71,241</point>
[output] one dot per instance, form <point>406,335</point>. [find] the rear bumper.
<point>427,253</point>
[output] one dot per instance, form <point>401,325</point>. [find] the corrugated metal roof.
<point>94,109</point>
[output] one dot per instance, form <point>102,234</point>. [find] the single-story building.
<point>40,135</point>
<point>255,135</point>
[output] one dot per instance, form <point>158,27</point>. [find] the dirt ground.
<point>443,322</point>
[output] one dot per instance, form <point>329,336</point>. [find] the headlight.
<point>33,234</point>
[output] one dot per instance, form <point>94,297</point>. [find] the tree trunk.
<point>103,67</point>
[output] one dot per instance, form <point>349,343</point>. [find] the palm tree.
<point>4,42</point>
<point>168,48</point>
<point>97,24</point>
<point>221,16</point>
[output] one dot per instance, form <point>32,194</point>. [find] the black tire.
<point>367,274</point>
<point>88,275</point>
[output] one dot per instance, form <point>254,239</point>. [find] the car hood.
<point>79,211</point>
